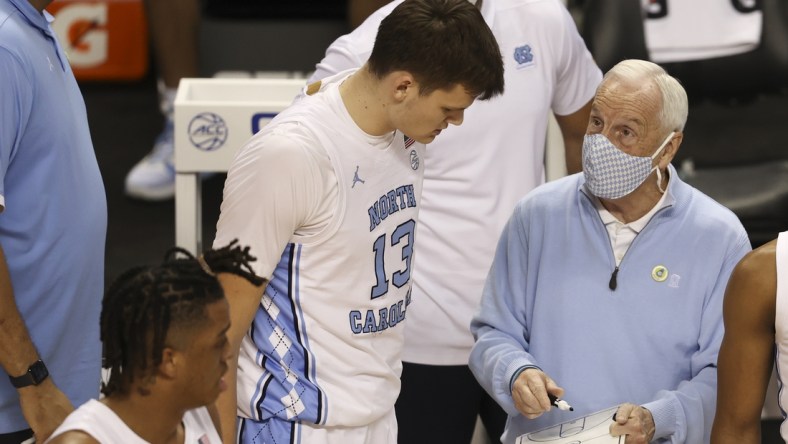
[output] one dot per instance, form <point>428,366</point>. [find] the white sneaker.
<point>153,177</point>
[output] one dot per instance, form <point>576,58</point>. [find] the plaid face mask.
<point>611,173</point>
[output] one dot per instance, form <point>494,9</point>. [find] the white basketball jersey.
<point>475,173</point>
<point>325,343</point>
<point>100,422</point>
<point>781,326</point>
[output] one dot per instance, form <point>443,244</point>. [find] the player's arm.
<point>244,298</point>
<point>573,129</point>
<point>73,437</point>
<point>576,79</point>
<point>271,190</point>
<point>746,355</point>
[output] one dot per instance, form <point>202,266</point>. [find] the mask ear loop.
<point>659,180</point>
<point>653,156</point>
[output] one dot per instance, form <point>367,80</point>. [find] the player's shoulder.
<point>73,437</point>
<point>287,147</point>
<point>760,260</point>
<point>754,278</point>
<point>752,287</point>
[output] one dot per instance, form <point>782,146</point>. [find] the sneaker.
<point>153,177</point>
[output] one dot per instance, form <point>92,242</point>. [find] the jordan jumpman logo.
<point>356,178</point>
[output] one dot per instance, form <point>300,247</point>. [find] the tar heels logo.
<point>674,281</point>
<point>414,159</point>
<point>207,131</point>
<point>523,56</point>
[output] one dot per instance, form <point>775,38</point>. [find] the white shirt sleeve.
<point>578,74</point>
<point>276,188</point>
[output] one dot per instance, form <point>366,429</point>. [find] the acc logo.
<point>414,159</point>
<point>523,56</point>
<point>207,131</point>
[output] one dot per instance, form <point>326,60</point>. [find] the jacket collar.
<point>36,19</point>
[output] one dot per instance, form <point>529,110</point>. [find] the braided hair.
<point>143,304</point>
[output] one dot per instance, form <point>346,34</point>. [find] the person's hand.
<point>44,407</point>
<point>634,421</point>
<point>530,390</point>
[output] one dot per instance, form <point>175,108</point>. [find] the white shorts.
<point>277,431</point>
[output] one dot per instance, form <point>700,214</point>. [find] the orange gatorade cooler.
<point>103,39</point>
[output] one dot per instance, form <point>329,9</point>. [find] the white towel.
<point>700,29</point>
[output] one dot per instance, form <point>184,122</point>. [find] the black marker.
<point>560,403</point>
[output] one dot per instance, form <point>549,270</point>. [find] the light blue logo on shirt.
<point>524,56</point>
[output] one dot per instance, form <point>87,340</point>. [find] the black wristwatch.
<point>35,375</point>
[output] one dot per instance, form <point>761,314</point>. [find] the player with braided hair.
<point>165,344</point>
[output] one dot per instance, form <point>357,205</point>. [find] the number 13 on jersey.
<point>402,237</point>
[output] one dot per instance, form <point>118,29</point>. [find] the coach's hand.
<point>530,390</point>
<point>634,421</point>
<point>44,407</point>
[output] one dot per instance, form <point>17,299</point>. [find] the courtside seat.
<point>757,193</point>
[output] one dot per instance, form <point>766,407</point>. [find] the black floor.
<point>124,121</point>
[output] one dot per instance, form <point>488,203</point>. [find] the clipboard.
<point>593,428</point>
